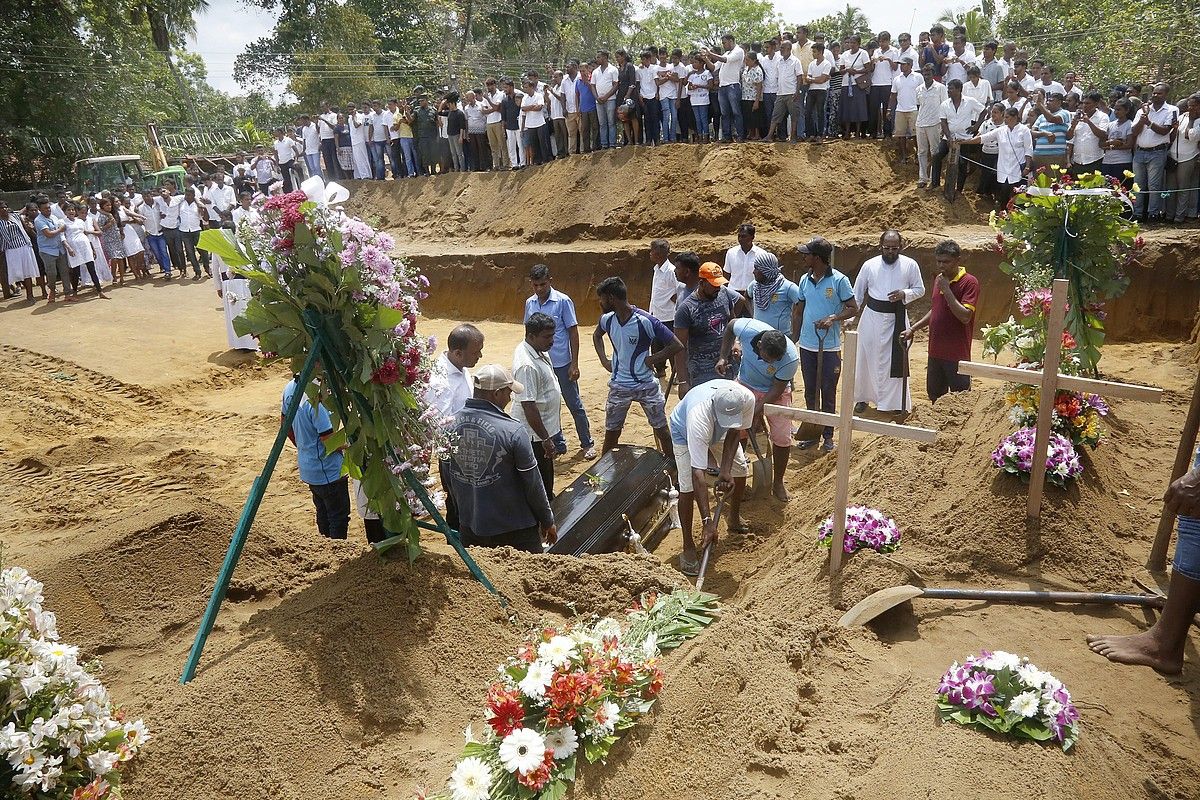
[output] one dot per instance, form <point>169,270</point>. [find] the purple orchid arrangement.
<point>1005,693</point>
<point>1014,455</point>
<point>865,528</point>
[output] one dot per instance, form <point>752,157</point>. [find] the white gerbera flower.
<point>522,750</point>
<point>650,646</point>
<point>1025,704</point>
<point>606,717</point>
<point>471,780</point>
<point>102,762</point>
<point>536,679</point>
<point>557,651</point>
<point>563,742</point>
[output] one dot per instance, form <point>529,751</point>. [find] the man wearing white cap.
<point>493,474</point>
<point>707,424</point>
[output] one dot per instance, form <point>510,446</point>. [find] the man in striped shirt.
<point>633,367</point>
<point>1050,132</point>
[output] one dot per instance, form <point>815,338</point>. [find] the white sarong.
<point>235,294</point>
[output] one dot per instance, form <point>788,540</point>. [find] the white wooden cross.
<point>846,423</point>
<point>1050,380</point>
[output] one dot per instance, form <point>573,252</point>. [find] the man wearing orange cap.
<point>700,323</point>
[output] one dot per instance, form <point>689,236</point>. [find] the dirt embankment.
<point>477,235</point>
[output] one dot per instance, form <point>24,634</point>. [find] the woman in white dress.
<point>233,289</point>
<point>80,256</point>
<point>103,272</point>
<point>135,251</point>
<point>21,261</point>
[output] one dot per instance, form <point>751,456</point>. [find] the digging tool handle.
<point>1017,596</point>
<point>1183,461</point>
<point>821,334</point>
<point>708,548</point>
<point>757,453</point>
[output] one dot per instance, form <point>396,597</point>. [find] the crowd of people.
<point>1004,111</point>
<point>727,340</point>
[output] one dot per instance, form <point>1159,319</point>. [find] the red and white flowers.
<point>60,735</point>
<point>571,691</point>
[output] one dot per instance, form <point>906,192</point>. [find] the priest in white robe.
<point>885,286</point>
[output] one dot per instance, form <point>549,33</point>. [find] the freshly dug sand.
<point>130,439</point>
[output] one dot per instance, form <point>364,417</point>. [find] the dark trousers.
<point>814,112</point>
<point>375,531</point>
<point>527,539</point>
<point>684,116</point>
<point>91,268</point>
<point>987,174</point>
<point>831,367</point>
<point>651,121</point>
<point>286,170</point>
<point>329,156</point>
<point>396,154</point>
<point>560,136</point>
<point>942,376</point>
<point>190,239</point>
<point>877,103</point>
<point>481,152</point>
<point>545,466</point>
<point>936,176</point>
<point>332,501</point>
<point>175,248</point>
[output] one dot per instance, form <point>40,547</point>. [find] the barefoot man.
<point>769,363</point>
<point>1161,647</point>
<point>885,286</point>
<point>708,423</point>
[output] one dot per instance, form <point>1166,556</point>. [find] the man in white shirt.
<point>651,109</point>
<point>930,96</point>
<point>729,81</point>
<point>1086,136</point>
<point>490,99</point>
<point>959,117</point>
<point>882,69</point>
<point>902,106</point>
<point>905,49</point>
<point>359,135</point>
<point>769,62</point>
<point>191,220</point>
<point>664,290</point>
<point>379,123</point>
<point>539,406</point>
<point>1021,76</point>
<point>604,87</point>
<point>788,101</point>
<point>450,380</point>
<point>326,123</point>
<point>168,204</point>
<point>975,87</point>
<point>535,135</point>
<point>816,82</point>
<point>957,61</point>
<point>1014,158</point>
<point>739,259</point>
<point>1152,128</point>
<point>311,135</point>
<point>667,80</point>
<point>1047,84</point>
<point>152,223</point>
<point>217,199</point>
<point>558,112</point>
<point>285,155</point>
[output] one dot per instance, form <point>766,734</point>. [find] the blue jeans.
<point>607,114</point>
<point>570,393</point>
<point>768,108</point>
<point>668,119</point>
<point>1187,546</point>
<point>410,156</point>
<point>158,245</point>
<point>732,123</point>
<point>700,114</point>
<point>314,164</point>
<point>1149,173</point>
<point>376,150</point>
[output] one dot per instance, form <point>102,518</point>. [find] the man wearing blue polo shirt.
<point>772,296</point>
<point>320,470</point>
<point>633,367</point>
<point>826,301</point>
<point>564,353</point>
<point>769,362</point>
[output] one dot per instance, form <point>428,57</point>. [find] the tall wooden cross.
<point>1050,380</point>
<point>846,423</point>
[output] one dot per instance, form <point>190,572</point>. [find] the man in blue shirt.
<point>52,248</point>
<point>769,362</point>
<point>320,470</point>
<point>564,353</point>
<point>826,300</point>
<point>633,367</point>
<point>772,296</point>
<point>1050,132</point>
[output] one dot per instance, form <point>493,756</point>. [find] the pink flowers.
<point>1014,455</point>
<point>865,528</point>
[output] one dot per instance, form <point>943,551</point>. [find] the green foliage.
<point>977,21</point>
<point>703,22</point>
<point>1007,685</point>
<point>847,22</point>
<point>1072,228</point>
<point>1110,41</point>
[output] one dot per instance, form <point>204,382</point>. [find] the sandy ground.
<point>131,436</point>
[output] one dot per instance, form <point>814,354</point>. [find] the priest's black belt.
<point>899,356</point>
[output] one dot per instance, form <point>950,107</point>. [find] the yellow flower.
<point>1055,166</point>
<point>1128,174</point>
<point>1136,188</point>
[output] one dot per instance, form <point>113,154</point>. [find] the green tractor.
<point>94,175</point>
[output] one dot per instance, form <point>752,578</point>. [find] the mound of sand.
<point>635,193</point>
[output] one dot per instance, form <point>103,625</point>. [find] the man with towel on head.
<point>885,286</point>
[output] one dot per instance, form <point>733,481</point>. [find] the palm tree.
<point>977,22</point>
<point>851,20</point>
<point>170,21</point>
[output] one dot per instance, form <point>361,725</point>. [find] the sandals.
<point>741,527</point>
<point>689,567</point>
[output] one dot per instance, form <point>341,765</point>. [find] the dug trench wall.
<point>475,235</point>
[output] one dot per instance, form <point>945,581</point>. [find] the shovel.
<point>904,389</point>
<point>811,431</point>
<point>708,547</point>
<point>875,604</point>
<point>761,470</point>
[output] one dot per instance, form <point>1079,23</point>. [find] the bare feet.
<point>781,493</point>
<point>1142,649</point>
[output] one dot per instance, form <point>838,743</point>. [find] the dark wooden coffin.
<point>625,481</point>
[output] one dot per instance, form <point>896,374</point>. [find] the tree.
<point>702,22</point>
<point>1107,42</point>
<point>978,23</point>
<point>849,21</point>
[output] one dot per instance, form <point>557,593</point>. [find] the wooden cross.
<point>846,423</point>
<point>1050,380</point>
